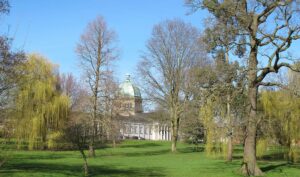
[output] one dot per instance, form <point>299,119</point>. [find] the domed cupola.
<point>128,89</point>
<point>130,99</point>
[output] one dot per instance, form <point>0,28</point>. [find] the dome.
<point>127,88</point>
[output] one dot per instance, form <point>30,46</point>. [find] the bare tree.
<point>109,92</point>
<point>171,51</point>
<point>76,133</point>
<point>269,28</point>
<point>9,74</point>
<point>77,129</point>
<point>96,51</point>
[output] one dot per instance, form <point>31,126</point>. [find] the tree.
<point>227,72</point>
<point>40,109</point>
<point>4,7</point>
<point>9,62</point>
<point>77,133</point>
<point>96,51</point>
<point>77,129</point>
<point>281,114</point>
<point>171,51</point>
<point>109,93</point>
<point>269,29</point>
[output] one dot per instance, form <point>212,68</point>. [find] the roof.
<point>127,88</point>
<point>151,117</point>
<point>138,118</point>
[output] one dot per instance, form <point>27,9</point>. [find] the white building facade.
<point>134,123</point>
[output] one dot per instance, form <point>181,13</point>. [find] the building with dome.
<point>133,122</point>
<point>130,99</point>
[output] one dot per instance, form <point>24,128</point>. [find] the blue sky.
<point>53,27</point>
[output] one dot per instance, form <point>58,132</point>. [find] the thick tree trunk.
<point>250,167</point>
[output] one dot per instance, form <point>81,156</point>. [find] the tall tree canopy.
<point>282,114</point>
<point>96,51</point>
<point>172,51</point>
<point>268,28</point>
<point>9,61</point>
<point>41,110</point>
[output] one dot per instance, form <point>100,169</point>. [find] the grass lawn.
<point>136,158</point>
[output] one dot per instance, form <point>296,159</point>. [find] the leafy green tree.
<point>41,110</point>
<point>268,28</point>
<point>282,114</point>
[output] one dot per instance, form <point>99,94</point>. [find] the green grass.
<point>137,158</point>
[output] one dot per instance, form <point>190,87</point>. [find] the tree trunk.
<point>175,126</point>
<point>291,156</point>
<point>250,167</point>
<point>114,142</point>
<point>229,143</point>
<point>229,149</point>
<point>174,141</point>
<point>92,151</point>
<point>85,164</point>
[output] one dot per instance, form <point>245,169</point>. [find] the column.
<point>149,131</point>
<point>166,130</point>
<point>158,132</point>
<point>170,134</point>
<point>138,131</point>
<point>144,131</point>
<point>164,134</point>
<point>167,133</point>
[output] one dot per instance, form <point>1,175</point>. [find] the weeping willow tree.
<point>282,111</point>
<point>215,144</point>
<point>41,109</point>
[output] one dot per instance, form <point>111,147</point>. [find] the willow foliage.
<point>214,133</point>
<point>282,110</point>
<point>41,110</point>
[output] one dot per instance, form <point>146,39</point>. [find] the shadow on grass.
<point>144,145</point>
<point>237,157</point>
<point>44,156</point>
<point>272,167</point>
<point>271,156</point>
<point>274,156</point>
<point>190,149</point>
<point>275,166</point>
<point>157,152</point>
<point>137,154</point>
<point>76,170</point>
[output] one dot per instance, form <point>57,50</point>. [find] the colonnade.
<point>164,133</point>
<point>149,131</point>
